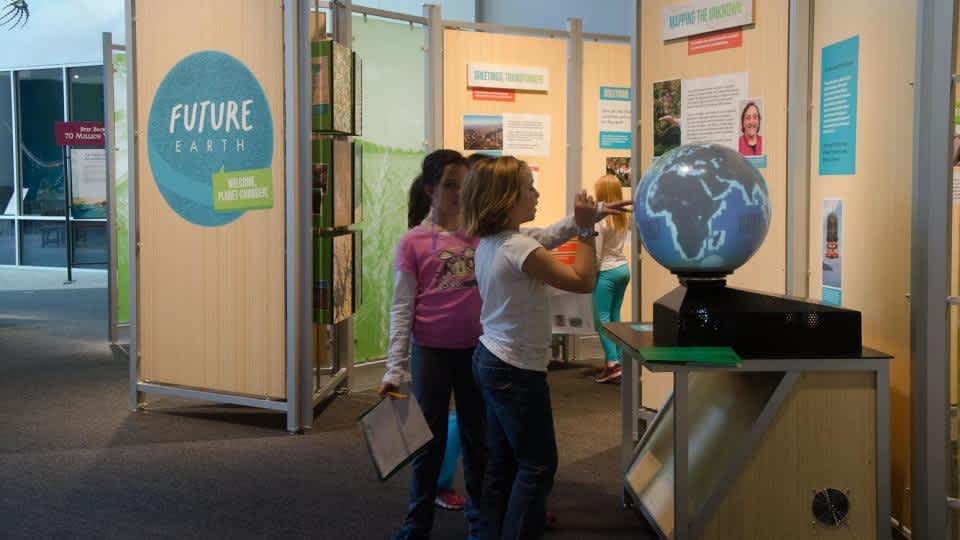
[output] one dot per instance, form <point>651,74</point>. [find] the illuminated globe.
<point>702,210</point>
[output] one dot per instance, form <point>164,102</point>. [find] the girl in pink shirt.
<point>436,303</point>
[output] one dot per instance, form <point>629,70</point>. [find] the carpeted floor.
<point>76,463</point>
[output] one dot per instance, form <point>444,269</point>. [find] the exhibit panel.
<point>392,143</point>
<point>607,134</point>
<point>210,195</point>
<point>526,121</point>
<point>860,190</point>
<point>708,81</point>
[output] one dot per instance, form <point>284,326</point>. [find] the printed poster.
<point>838,107</point>
<point>88,176</point>
<point>832,251</point>
<point>507,134</point>
<point>750,143</point>
<point>619,167</point>
<point>666,116</point>
<point>614,117</point>
<point>710,108</point>
<point>210,140</point>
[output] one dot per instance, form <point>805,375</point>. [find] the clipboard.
<point>395,432</point>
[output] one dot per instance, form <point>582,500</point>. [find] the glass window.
<point>90,244</point>
<point>88,171</point>
<point>86,93</point>
<point>8,244</point>
<point>40,98</point>
<point>43,243</point>
<point>7,182</point>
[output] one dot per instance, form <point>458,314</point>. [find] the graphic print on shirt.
<point>457,269</point>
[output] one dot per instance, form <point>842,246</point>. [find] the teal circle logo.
<point>209,118</point>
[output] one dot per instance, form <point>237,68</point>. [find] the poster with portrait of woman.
<point>750,142</point>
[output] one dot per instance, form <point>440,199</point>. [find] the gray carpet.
<point>75,463</point>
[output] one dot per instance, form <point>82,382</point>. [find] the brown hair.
<point>431,172</point>
<point>490,190</point>
<point>607,189</point>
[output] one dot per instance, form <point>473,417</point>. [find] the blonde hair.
<point>607,189</point>
<point>491,189</point>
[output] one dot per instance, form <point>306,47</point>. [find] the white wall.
<point>599,16</point>
<point>61,32</point>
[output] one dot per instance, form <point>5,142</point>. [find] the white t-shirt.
<point>516,310</point>
<point>610,247</point>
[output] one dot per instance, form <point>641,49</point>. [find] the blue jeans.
<point>435,372</point>
<point>521,448</point>
<point>607,301</point>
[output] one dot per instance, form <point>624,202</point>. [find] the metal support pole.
<point>930,270</point>
<point>574,177</point>
<point>299,273</point>
<point>798,148</point>
<point>636,14</point>
<point>109,143</point>
<point>433,107</point>
<point>136,397</point>
<point>67,195</point>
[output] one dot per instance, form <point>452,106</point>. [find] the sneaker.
<point>611,373</point>
<point>449,500</point>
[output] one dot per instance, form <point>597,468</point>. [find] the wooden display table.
<point>774,448</point>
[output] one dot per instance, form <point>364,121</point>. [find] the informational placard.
<point>832,252</point>
<point>702,16</point>
<point>492,94</point>
<point>507,134</point>
<point>530,78</point>
<point>88,174</point>
<point>839,75</point>
<point>79,133</point>
<point>614,117</point>
<point>210,140</point>
<point>715,41</point>
<point>710,108</point>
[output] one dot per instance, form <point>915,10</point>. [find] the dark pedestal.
<point>754,324</point>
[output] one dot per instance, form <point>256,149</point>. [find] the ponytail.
<point>418,204</point>
<point>431,171</point>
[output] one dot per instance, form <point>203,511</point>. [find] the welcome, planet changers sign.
<point>210,140</point>
<point>702,16</point>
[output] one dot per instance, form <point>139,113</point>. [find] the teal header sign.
<point>210,140</point>
<point>839,72</point>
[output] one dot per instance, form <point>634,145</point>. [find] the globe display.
<point>702,210</point>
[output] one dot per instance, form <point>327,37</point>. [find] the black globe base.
<point>704,312</point>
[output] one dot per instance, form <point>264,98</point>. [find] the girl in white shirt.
<point>510,363</point>
<point>613,273</point>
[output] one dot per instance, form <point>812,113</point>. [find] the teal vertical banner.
<point>839,68</point>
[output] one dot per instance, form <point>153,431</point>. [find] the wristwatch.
<point>586,232</point>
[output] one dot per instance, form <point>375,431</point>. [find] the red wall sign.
<point>494,94</point>
<point>79,133</point>
<point>715,41</point>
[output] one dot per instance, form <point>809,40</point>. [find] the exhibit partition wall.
<point>860,193</point>
<point>694,89</point>
<point>118,182</point>
<point>506,94</point>
<point>392,141</point>
<point>209,202</point>
<point>607,136</point>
